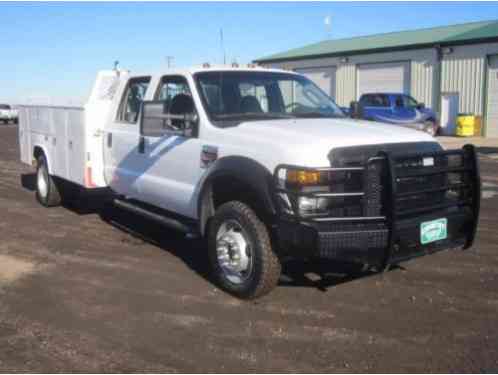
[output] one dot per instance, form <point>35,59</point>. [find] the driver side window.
<point>175,92</point>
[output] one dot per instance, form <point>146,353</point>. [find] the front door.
<point>171,163</point>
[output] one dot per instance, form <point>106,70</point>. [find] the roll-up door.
<point>323,77</point>
<point>383,77</point>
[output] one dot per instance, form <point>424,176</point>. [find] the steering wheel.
<point>292,106</point>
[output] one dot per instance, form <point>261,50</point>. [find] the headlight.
<point>309,205</point>
<point>303,188</point>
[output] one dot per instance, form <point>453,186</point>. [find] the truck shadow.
<point>319,274</point>
<point>193,252</point>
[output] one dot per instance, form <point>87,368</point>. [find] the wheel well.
<point>227,188</point>
<point>37,152</point>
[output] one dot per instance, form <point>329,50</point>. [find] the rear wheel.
<point>240,252</point>
<point>47,192</point>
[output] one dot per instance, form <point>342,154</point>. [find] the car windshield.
<point>233,97</point>
<point>4,106</point>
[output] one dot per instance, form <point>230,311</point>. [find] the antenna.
<point>328,26</point>
<point>169,59</point>
<point>223,47</point>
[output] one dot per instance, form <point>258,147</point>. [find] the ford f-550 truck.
<point>262,164</point>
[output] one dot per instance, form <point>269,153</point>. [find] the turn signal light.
<point>302,177</point>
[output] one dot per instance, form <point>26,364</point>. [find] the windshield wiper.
<point>316,114</point>
<point>250,115</point>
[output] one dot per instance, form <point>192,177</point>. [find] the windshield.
<point>4,106</point>
<point>232,97</point>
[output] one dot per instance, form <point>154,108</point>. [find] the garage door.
<point>385,77</point>
<point>492,104</point>
<point>323,77</point>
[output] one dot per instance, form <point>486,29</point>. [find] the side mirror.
<point>355,110</point>
<point>420,106</point>
<point>156,122</point>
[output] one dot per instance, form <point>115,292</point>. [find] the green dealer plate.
<point>433,230</point>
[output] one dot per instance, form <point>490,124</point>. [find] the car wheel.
<point>240,252</point>
<point>47,192</point>
<point>431,128</point>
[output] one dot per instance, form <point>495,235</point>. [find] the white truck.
<point>262,164</point>
<point>7,114</point>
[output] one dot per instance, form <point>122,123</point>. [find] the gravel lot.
<point>82,290</point>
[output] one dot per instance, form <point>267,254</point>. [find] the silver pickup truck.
<point>7,114</point>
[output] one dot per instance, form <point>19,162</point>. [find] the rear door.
<point>123,163</point>
<point>376,107</point>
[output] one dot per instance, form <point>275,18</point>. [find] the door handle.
<point>141,145</point>
<point>109,140</point>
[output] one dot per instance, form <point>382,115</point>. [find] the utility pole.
<point>169,59</point>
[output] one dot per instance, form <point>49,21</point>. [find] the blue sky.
<point>52,50</point>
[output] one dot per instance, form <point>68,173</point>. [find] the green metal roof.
<point>443,35</point>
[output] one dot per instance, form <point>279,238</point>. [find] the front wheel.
<point>47,192</point>
<point>240,252</point>
<point>431,128</point>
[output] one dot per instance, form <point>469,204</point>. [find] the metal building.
<point>453,69</point>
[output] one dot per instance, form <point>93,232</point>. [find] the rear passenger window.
<point>375,100</point>
<point>132,99</point>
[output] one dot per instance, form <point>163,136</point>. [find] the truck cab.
<point>398,109</point>
<point>263,165</point>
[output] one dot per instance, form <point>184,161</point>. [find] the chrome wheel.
<point>430,129</point>
<point>42,182</point>
<point>234,252</point>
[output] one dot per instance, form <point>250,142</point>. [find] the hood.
<point>309,141</point>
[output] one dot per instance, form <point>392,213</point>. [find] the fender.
<point>257,177</point>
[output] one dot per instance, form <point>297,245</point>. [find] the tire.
<point>431,128</point>
<point>47,192</point>
<point>232,221</point>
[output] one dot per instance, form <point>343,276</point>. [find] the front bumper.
<point>394,235</point>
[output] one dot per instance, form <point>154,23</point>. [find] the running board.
<point>167,221</point>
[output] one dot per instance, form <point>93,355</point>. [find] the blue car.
<point>397,109</point>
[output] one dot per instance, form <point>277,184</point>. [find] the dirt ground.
<point>86,290</point>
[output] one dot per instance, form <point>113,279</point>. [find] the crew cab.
<point>7,114</point>
<point>396,109</point>
<point>259,162</point>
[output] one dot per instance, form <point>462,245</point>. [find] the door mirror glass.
<point>420,106</point>
<point>157,122</point>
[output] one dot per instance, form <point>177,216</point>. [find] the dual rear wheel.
<point>47,192</point>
